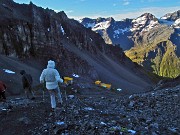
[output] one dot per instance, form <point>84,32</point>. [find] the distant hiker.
<point>52,77</point>
<point>2,91</point>
<point>27,84</point>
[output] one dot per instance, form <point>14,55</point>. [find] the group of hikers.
<point>50,76</point>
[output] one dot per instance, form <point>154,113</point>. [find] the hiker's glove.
<point>61,80</point>
<point>41,81</point>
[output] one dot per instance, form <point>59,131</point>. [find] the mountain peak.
<point>100,19</point>
<point>148,16</point>
<point>111,19</point>
<point>145,22</point>
<point>63,14</point>
<point>172,16</point>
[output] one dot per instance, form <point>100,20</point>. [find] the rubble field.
<point>94,111</point>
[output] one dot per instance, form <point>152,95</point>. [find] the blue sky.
<point>118,9</point>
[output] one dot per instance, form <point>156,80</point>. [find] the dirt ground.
<point>28,117</point>
<point>13,81</point>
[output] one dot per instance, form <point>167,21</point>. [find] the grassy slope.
<point>170,64</point>
<point>165,64</point>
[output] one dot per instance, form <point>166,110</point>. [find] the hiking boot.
<point>51,114</point>
<point>3,100</point>
<point>63,110</point>
<point>52,109</point>
<point>60,102</point>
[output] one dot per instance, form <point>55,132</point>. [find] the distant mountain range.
<point>151,42</point>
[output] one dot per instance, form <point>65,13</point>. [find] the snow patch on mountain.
<point>90,25</point>
<point>151,25</point>
<point>101,25</point>
<point>120,31</point>
<point>140,20</point>
<point>143,23</point>
<point>62,30</point>
<point>177,23</point>
<point>9,71</point>
<point>80,20</point>
<point>138,23</point>
<point>165,17</point>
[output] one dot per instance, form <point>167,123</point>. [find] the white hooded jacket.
<point>50,76</point>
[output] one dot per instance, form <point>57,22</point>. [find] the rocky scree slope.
<point>95,111</point>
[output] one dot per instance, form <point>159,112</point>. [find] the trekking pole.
<point>65,105</point>
<point>44,88</point>
<point>43,95</point>
<point>65,94</point>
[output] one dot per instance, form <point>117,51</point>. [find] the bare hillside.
<point>13,80</point>
<point>110,71</point>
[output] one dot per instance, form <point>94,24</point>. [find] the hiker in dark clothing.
<point>27,84</point>
<point>2,91</point>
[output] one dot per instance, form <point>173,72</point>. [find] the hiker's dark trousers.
<point>27,91</point>
<point>2,95</point>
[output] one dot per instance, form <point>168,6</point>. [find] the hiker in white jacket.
<point>51,76</point>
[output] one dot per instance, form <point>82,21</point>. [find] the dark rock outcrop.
<point>38,32</point>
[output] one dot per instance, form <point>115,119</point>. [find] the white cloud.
<point>114,4</point>
<point>156,11</point>
<point>89,16</point>
<point>69,11</point>
<point>57,11</point>
<point>151,0</point>
<point>126,2</point>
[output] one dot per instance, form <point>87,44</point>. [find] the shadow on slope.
<point>13,81</point>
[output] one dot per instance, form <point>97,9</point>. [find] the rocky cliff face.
<point>28,30</point>
<point>144,36</point>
